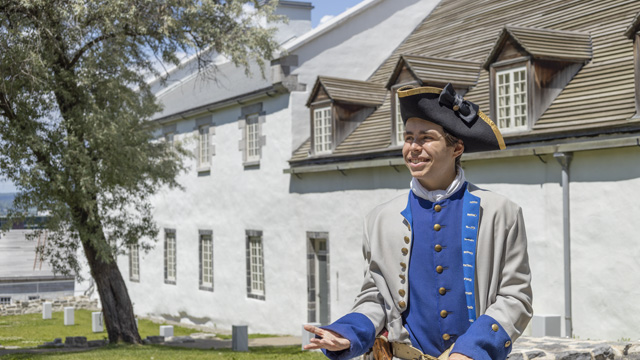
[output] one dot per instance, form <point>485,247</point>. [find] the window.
<point>399,123</point>
<point>34,297</point>
<point>322,130</point>
<point>170,256</point>
<point>5,300</point>
<point>206,260</point>
<point>512,99</point>
<point>134,263</point>
<point>168,138</point>
<point>204,156</point>
<point>252,139</point>
<point>255,265</point>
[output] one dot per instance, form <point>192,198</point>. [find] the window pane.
<point>511,99</point>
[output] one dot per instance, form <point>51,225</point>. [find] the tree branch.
<point>88,46</point>
<point>6,107</point>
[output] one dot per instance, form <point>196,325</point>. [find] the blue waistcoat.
<point>437,310</point>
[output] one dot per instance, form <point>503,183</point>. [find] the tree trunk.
<point>116,305</point>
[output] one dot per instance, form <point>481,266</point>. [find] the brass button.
<point>405,251</point>
<point>438,248</point>
<point>446,337</point>
<point>402,304</point>
<point>403,265</point>
<point>437,208</point>
<point>495,327</point>
<point>439,269</point>
<point>407,240</point>
<point>443,314</point>
<point>401,292</point>
<point>442,291</point>
<point>507,344</point>
<point>437,227</point>
<point>456,107</point>
<point>402,276</point>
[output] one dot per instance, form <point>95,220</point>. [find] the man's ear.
<point>458,148</point>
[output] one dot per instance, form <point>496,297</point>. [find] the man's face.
<point>427,155</point>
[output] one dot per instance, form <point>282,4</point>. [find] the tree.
<point>74,105</point>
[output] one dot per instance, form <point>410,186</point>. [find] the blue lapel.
<point>470,220</point>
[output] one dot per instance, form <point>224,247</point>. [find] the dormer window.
<point>322,130</point>
<point>337,106</point>
<point>530,66</point>
<point>427,71</point>
<point>512,99</point>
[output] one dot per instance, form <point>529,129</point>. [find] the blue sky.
<point>323,8</point>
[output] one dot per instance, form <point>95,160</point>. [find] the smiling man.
<point>447,272</point>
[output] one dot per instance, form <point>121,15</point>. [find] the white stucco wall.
<point>604,187</point>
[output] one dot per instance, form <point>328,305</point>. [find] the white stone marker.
<point>46,310</point>
<point>96,322</point>
<point>166,331</point>
<point>307,336</point>
<point>68,316</point>
<point>545,325</point>
<point>240,338</point>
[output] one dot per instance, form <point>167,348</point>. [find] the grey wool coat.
<point>502,274</point>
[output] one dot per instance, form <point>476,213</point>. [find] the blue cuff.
<point>485,339</point>
<point>356,328</point>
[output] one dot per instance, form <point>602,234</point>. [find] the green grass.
<point>251,336</point>
<point>156,352</point>
<point>31,330</point>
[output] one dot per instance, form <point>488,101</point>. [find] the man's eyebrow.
<point>420,132</point>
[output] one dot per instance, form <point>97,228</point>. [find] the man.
<point>447,272</point>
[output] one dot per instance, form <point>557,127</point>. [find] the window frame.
<point>5,300</point>
<point>205,272</point>
<point>134,263</point>
<point>327,147</point>
<point>204,153</point>
<point>511,71</point>
<point>254,240</point>
<point>170,266</point>
<point>252,123</point>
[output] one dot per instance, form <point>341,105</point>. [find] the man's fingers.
<point>312,329</point>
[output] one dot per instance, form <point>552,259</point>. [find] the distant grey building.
<point>24,276</point>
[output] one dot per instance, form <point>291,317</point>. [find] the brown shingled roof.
<point>545,44</point>
<point>471,35</point>
<point>350,91</point>
<point>633,28</point>
<point>435,70</point>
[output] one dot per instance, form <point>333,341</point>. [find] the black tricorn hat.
<point>461,118</point>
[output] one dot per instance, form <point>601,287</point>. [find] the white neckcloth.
<point>437,195</point>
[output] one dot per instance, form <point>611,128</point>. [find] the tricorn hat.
<point>461,118</point>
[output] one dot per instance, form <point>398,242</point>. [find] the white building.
<point>234,245</point>
<point>285,230</point>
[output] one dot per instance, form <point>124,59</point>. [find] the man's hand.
<point>328,340</point>
<point>457,356</point>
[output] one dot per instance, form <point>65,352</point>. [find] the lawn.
<point>31,330</point>
<point>157,352</point>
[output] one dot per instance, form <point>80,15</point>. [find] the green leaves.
<point>75,105</point>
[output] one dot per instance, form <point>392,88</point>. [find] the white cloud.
<point>325,19</point>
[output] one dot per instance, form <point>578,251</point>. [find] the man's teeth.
<point>416,161</point>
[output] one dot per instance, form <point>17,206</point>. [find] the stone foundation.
<point>35,306</point>
<point>548,348</point>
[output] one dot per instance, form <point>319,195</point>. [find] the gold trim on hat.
<point>495,129</point>
<point>420,90</point>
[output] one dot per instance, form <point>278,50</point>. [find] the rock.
<point>96,343</point>
<point>155,339</point>
<point>516,356</point>
<point>76,342</point>
<point>57,341</point>
<point>603,352</point>
<point>535,354</point>
<point>574,355</point>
